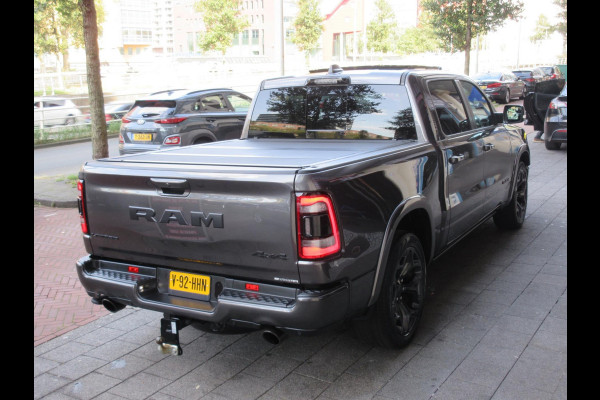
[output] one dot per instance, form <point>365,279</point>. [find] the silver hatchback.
<point>181,118</point>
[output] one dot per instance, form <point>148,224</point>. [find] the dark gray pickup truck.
<point>344,186</point>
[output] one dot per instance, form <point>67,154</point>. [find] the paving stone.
<point>140,386</point>
<point>78,367</point>
<point>243,386</point>
<point>47,383</point>
<point>90,386</point>
<point>296,387</point>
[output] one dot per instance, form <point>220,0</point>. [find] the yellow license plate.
<point>189,283</point>
<point>483,87</point>
<point>142,137</point>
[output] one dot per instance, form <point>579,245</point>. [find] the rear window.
<point>151,108</point>
<point>547,70</point>
<point>333,112</point>
<point>523,74</point>
<point>489,75</point>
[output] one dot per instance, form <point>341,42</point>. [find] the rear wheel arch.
<point>203,137</point>
<point>412,217</point>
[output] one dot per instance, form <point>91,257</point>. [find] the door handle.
<point>488,146</point>
<point>210,120</point>
<point>456,159</point>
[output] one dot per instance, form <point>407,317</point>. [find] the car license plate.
<point>142,137</point>
<point>483,87</point>
<point>189,283</point>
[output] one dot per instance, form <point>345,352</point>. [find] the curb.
<point>55,203</point>
<point>72,141</point>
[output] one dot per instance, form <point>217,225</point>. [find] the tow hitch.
<point>168,341</point>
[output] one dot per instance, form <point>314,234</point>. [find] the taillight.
<point>81,206</point>
<point>107,117</point>
<point>121,140</point>
<point>493,85</point>
<point>125,120</point>
<point>170,120</point>
<point>530,79</point>
<point>318,232</point>
<point>172,140</point>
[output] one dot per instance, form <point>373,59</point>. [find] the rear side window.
<point>334,112</point>
<point>151,109</point>
<point>239,103</point>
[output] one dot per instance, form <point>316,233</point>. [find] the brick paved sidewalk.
<point>60,302</point>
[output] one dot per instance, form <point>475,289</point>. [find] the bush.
<point>71,132</point>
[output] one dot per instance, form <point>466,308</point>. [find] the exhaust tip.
<point>112,306</point>
<point>272,335</point>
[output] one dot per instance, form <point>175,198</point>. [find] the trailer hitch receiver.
<point>168,341</point>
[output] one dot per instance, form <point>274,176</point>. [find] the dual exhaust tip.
<point>270,334</point>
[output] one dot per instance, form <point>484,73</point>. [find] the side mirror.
<point>513,114</point>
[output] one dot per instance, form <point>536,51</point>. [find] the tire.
<point>70,120</point>
<point>506,97</point>
<point>394,318</point>
<point>202,140</point>
<point>512,215</point>
<point>551,145</point>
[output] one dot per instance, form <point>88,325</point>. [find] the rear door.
<point>220,118</point>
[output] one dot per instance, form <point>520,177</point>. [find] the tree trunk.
<point>95,94</point>
<point>468,38</point>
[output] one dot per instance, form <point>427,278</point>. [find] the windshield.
<point>333,112</point>
<point>488,75</point>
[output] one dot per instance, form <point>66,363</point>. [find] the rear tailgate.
<point>225,220</point>
<point>224,208</point>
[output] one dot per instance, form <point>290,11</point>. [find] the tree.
<point>419,39</point>
<point>308,26</point>
<point>457,22</point>
<point>542,29</point>
<point>95,94</point>
<point>561,27</point>
<point>222,21</point>
<point>381,30</point>
<point>57,27</point>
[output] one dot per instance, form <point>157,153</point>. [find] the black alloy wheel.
<point>400,305</point>
<point>513,215</point>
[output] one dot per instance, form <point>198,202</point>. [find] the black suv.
<point>182,117</point>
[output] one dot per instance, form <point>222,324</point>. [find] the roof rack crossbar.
<point>336,68</point>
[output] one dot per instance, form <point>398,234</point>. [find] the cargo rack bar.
<point>337,69</point>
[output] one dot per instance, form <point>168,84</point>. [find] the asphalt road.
<point>66,159</point>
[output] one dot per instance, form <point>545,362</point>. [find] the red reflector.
<point>172,140</point>
<point>81,204</point>
<point>134,269</point>
<point>252,286</point>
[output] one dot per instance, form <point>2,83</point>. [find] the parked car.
<point>530,76</point>
<point>342,188</point>
<point>113,111</point>
<point>501,86</point>
<point>555,123</point>
<point>183,117</point>
<point>54,111</point>
<point>546,108</point>
<point>552,72</point>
